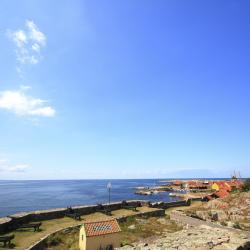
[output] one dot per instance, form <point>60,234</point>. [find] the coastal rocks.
<point>202,238</point>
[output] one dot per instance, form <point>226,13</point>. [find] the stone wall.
<point>165,205</point>
<point>11,222</point>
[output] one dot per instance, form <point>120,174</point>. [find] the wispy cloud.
<point>29,42</point>
<point>5,166</point>
<point>21,104</point>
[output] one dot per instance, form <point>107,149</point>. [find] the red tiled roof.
<point>177,182</point>
<point>192,182</point>
<point>101,227</point>
<point>222,193</point>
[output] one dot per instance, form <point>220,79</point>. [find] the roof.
<point>101,227</point>
<point>177,182</point>
<point>224,185</point>
<point>222,193</point>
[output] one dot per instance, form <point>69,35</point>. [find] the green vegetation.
<point>224,223</point>
<point>237,225</point>
<point>137,229</point>
<point>65,240</point>
<point>246,185</point>
<point>53,240</point>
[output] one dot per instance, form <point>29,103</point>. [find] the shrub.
<point>246,185</point>
<point>224,223</point>
<point>126,243</point>
<point>237,225</point>
<point>53,240</point>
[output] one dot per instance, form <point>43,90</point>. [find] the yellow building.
<point>215,186</point>
<point>101,235</point>
<point>221,185</point>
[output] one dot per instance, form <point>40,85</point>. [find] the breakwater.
<point>11,222</point>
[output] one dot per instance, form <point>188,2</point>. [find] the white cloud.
<point>29,42</point>
<point>18,168</point>
<point>25,87</point>
<point>5,166</point>
<point>35,34</point>
<point>21,104</point>
<point>36,47</point>
<point>19,38</point>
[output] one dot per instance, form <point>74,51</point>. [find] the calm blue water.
<point>19,196</point>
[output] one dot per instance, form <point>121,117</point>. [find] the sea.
<point>25,196</point>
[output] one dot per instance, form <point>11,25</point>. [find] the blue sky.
<point>124,89</point>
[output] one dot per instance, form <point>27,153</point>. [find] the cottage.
<point>101,235</point>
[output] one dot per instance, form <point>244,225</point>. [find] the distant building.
<point>222,193</point>
<point>221,185</point>
<point>101,235</point>
<point>236,184</point>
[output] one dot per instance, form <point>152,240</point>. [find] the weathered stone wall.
<point>155,213</point>
<point>12,221</point>
<point>165,205</point>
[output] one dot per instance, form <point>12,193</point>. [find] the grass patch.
<point>138,229</point>
<point>66,240</point>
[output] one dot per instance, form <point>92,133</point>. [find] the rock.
<point>218,215</point>
<point>132,227</point>
<point>200,237</point>
<point>141,221</point>
<point>202,215</point>
<point>163,221</point>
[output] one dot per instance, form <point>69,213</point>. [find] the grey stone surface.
<point>198,238</point>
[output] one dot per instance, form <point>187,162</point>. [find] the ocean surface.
<point>21,196</point>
